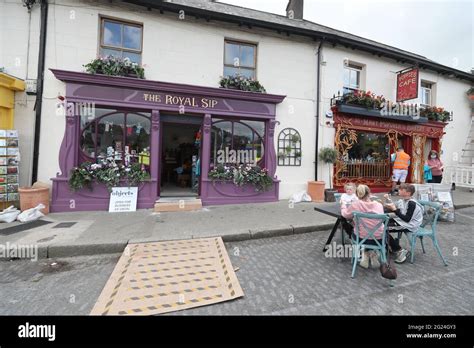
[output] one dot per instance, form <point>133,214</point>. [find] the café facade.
<point>178,111</point>
<point>148,106</point>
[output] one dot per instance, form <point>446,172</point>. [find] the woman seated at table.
<point>364,205</point>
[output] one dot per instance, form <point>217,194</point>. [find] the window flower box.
<point>114,66</point>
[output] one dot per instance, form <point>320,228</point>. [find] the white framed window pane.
<point>112,34</point>
<point>354,79</point>
<point>132,37</point>
<point>247,56</point>
<point>104,52</point>
<point>249,73</point>
<point>134,57</point>
<point>232,54</point>
<point>347,79</point>
<point>229,71</point>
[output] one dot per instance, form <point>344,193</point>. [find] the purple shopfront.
<point>144,114</point>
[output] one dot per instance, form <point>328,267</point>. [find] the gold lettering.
<point>169,99</point>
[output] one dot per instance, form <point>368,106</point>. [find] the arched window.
<point>237,142</point>
<point>116,129</point>
<point>289,147</point>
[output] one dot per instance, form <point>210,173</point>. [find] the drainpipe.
<point>40,80</point>
<point>318,85</point>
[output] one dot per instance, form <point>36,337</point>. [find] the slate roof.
<point>211,10</point>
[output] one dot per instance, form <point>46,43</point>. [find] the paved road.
<point>279,276</point>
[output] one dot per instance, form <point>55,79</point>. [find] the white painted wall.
<point>191,51</point>
<point>17,28</point>
<point>182,51</point>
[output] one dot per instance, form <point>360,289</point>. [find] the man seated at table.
<point>364,205</point>
<point>406,216</point>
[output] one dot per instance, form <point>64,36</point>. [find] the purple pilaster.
<point>155,151</point>
<point>68,151</point>
<point>206,145</point>
<point>270,157</point>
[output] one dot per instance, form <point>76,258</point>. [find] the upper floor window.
<point>121,39</point>
<point>426,93</point>
<point>240,58</point>
<point>352,77</point>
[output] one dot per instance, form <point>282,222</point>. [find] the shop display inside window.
<point>9,173</point>
<point>237,142</point>
<point>289,147</point>
<point>369,157</point>
<point>118,136</point>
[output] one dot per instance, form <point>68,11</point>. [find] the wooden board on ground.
<point>161,277</point>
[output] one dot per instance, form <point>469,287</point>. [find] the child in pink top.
<point>365,205</point>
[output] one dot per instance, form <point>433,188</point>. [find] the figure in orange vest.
<point>401,162</point>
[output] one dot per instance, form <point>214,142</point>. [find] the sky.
<point>440,30</point>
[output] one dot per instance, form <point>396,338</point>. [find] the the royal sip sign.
<point>407,85</point>
<point>119,92</point>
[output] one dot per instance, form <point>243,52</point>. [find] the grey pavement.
<point>102,232</point>
<point>287,275</point>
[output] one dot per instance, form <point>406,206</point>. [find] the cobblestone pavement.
<point>280,276</point>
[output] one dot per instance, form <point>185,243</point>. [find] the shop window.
<point>367,157</point>
<point>289,147</point>
<point>237,142</point>
<point>121,39</point>
<point>121,131</point>
<point>352,78</point>
<point>240,58</point>
<point>426,93</point>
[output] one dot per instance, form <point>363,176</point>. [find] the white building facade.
<point>192,46</point>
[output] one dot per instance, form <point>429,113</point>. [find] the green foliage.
<point>363,98</point>
<point>114,66</point>
<point>108,173</point>
<point>434,113</point>
<point>242,175</point>
<point>241,82</point>
<point>328,155</point>
<point>295,138</point>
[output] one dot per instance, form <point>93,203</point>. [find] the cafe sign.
<point>407,85</point>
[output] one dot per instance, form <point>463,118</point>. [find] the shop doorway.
<point>180,159</point>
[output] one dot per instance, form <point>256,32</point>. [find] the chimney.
<point>294,10</point>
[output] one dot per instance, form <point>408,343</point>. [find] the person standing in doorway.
<point>436,167</point>
<point>401,162</point>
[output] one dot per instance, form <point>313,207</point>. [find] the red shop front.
<point>365,140</point>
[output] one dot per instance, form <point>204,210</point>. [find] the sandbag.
<point>10,214</point>
<point>31,214</point>
<point>302,196</point>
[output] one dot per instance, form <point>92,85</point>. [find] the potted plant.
<point>328,155</point>
<point>243,174</point>
<point>295,138</point>
<point>115,66</point>
<point>241,83</point>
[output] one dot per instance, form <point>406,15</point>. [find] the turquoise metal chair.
<point>427,229</point>
<point>337,196</point>
<point>358,243</point>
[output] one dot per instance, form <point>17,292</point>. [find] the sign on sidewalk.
<point>123,199</point>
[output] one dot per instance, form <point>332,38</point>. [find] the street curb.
<point>69,250</point>
<point>56,251</point>
<point>462,206</point>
